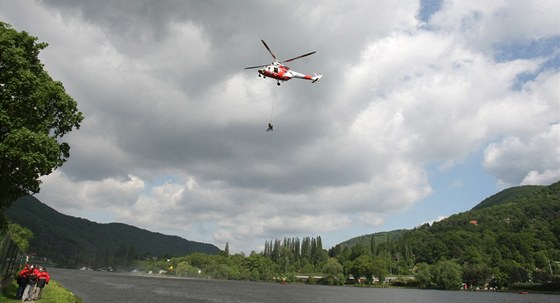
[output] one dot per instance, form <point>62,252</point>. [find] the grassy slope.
<point>52,293</point>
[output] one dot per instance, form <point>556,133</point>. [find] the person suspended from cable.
<point>270,127</point>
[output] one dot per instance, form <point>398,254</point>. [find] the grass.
<point>52,293</point>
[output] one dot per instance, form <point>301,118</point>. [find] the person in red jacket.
<point>22,280</point>
<point>32,281</point>
<point>43,279</point>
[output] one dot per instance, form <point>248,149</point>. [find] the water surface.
<point>105,287</point>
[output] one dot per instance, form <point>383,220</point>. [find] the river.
<point>105,287</point>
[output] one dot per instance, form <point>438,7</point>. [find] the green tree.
<point>184,269</point>
<point>20,235</point>
<point>358,250</point>
<point>217,271</point>
<point>498,279</point>
<point>514,271</point>
<point>362,267</point>
<point>379,268</point>
<point>447,275</point>
<point>260,267</point>
<point>35,113</point>
<point>476,274</point>
<point>199,260</point>
<point>333,272</point>
<point>423,275</point>
<point>226,250</point>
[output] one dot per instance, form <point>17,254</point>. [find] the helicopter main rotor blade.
<point>268,48</point>
<point>251,67</point>
<point>298,57</point>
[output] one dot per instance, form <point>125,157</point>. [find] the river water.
<point>105,287</point>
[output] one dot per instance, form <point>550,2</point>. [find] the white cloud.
<point>166,98</point>
<point>72,195</point>
<point>526,160</point>
<point>483,24</point>
<point>372,219</point>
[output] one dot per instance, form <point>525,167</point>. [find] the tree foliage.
<point>334,272</point>
<point>20,235</point>
<point>423,275</point>
<point>446,274</point>
<point>293,254</point>
<point>35,113</point>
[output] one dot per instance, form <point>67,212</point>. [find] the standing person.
<point>32,280</point>
<point>43,279</point>
<point>22,279</point>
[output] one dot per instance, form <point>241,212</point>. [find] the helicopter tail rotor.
<point>316,78</point>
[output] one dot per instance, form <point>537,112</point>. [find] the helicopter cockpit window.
<point>276,69</point>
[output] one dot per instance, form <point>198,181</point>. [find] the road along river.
<point>105,287</point>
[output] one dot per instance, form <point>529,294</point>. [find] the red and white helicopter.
<point>280,72</point>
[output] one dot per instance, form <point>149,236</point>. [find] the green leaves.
<point>20,235</point>
<point>35,113</point>
<point>447,275</point>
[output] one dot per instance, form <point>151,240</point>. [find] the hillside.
<point>375,238</point>
<point>519,194</point>
<point>521,224</point>
<point>517,198</point>
<point>69,240</point>
<point>513,236</point>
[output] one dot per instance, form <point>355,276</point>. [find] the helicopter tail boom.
<point>313,79</point>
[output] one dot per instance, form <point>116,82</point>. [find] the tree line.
<point>508,242</point>
<point>293,254</point>
<point>503,244</point>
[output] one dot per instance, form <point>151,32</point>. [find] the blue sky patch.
<point>428,8</point>
<point>512,50</point>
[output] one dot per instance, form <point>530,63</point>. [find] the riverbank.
<point>52,293</point>
<point>107,287</point>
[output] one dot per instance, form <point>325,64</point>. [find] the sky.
<point>425,109</point>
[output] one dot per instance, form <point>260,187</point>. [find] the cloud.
<point>531,153</point>
<point>71,195</point>
<point>484,25</point>
<point>526,160</point>
<point>174,133</point>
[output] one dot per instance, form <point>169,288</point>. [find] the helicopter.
<point>277,70</point>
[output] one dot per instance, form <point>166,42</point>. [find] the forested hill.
<point>68,240</point>
<point>521,194</point>
<point>520,224</point>
<point>513,236</point>
<point>517,201</point>
<point>375,239</point>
